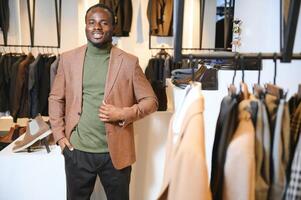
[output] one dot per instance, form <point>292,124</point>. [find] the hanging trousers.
<point>82,169</point>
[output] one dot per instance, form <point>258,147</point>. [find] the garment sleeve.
<point>57,103</point>
<point>152,16</point>
<point>146,99</point>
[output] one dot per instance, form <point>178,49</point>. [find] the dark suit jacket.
<point>14,88</point>
<point>123,15</point>
<point>19,99</point>
<point>33,80</point>
<point>3,96</point>
<point>126,87</point>
<point>225,127</point>
<point>159,13</point>
<point>154,73</point>
<point>44,84</point>
<point>6,75</point>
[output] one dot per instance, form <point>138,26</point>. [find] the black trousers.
<point>82,169</point>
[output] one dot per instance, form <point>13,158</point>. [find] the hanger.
<point>244,92</point>
<point>162,53</point>
<point>273,89</point>
<point>3,50</point>
<point>232,88</point>
<point>299,92</point>
<point>258,91</point>
<point>191,67</point>
<point>275,67</point>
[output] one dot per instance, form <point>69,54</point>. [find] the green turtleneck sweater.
<point>89,134</point>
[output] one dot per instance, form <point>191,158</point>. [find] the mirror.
<point>289,12</point>
<point>224,23</point>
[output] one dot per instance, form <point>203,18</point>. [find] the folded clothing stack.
<point>207,76</point>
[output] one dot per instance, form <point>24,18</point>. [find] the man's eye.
<point>104,23</point>
<point>91,22</point>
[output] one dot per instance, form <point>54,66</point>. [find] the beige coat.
<point>239,170</point>
<point>186,175</point>
<point>126,87</point>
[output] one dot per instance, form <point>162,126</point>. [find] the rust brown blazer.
<point>126,87</point>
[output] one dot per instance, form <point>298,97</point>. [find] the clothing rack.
<point>200,49</point>
<point>22,45</point>
<point>31,19</point>
<point>237,55</point>
<point>285,56</point>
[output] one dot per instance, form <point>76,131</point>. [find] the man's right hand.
<point>63,142</point>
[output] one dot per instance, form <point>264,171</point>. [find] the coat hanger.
<point>191,67</point>
<point>244,92</point>
<point>162,53</point>
<point>3,50</point>
<point>258,91</point>
<point>232,88</point>
<point>299,92</point>
<point>273,89</point>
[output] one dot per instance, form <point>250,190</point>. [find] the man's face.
<point>99,28</point>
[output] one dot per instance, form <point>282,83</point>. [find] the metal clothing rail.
<point>199,49</point>
<point>31,19</point>
<point>286,51</point>
<point>236,55</point>
<point>24,45</point>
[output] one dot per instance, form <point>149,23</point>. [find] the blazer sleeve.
<point>152,16</point>
<point>57,103</point>
<point>147,102</point>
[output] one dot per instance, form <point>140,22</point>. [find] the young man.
<point>99,90</point>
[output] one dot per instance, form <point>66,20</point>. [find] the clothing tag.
<point>33,127</point>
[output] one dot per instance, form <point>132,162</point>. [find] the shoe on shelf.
<point>12,134</point>
<point>37,129</point>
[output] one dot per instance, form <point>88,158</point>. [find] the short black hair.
<point>100,5</point>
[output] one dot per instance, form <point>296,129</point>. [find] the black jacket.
<point>154,73</point>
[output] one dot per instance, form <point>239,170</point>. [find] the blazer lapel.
<point>196,107</point>
<point>114,67</point>
<point>77,68</point>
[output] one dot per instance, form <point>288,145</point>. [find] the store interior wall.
<point>260,33</point>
